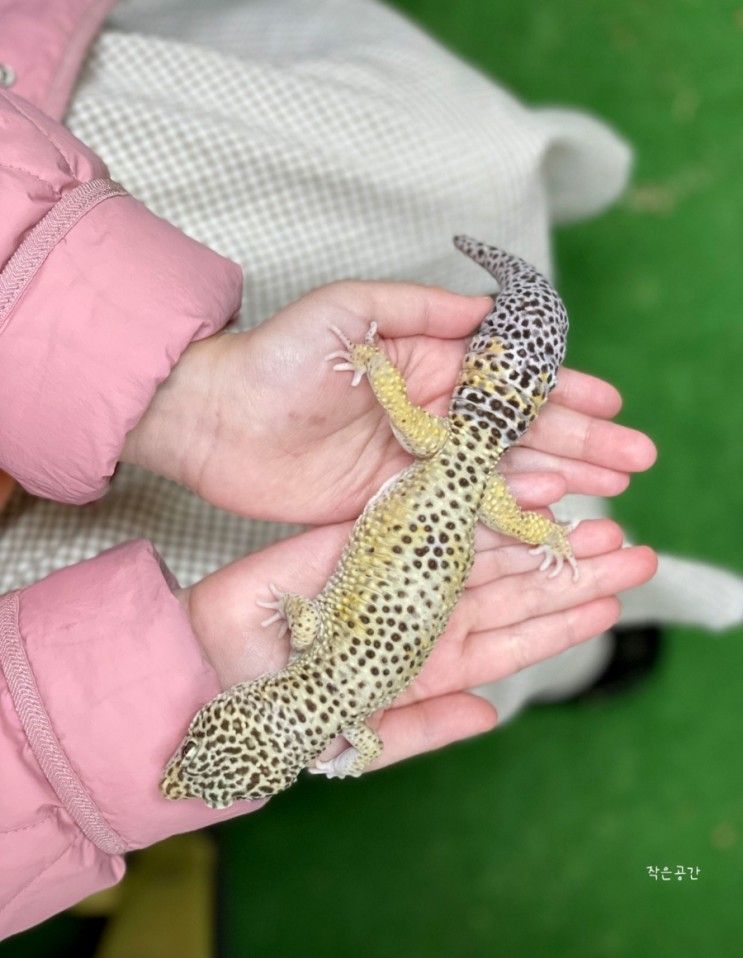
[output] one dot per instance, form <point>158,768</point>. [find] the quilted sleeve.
<point>100,675</point>
<point>98,299</point>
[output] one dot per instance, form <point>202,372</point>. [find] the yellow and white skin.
<point>364,638</point>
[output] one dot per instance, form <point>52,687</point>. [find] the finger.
<point>430,724</point>
<point>564,432</point>
<point>586,394</point>
<point>504,617</point>
<point>593,537</point>
<point>533,490</point>
<point>498,653</point>
<point>580,477</point>
<point>494,655</point>
<point>520,597</point>
<point>410,309</point>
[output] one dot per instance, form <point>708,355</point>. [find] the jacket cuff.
<point>105,675</point>
<point>86,340</point>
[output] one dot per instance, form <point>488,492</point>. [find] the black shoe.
<point>637,651</point>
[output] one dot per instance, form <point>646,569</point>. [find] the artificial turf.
<point>534,840</point>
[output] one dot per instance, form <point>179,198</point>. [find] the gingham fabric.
<point>309,142</point>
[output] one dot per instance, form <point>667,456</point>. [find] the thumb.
<point>409,309</point>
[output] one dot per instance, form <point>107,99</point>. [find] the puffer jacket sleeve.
<point>100,671</point>
<point>98,299</point>
<point>100,674</point>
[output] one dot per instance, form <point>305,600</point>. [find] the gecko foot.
<point>558,554</point>
<point>346,354</point>
<point>279,614</point>
<point>338,767</point>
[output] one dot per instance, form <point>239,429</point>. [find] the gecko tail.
<point>501,265</point>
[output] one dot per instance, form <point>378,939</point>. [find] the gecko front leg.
<point>365,744</point>
<point>418,431</point>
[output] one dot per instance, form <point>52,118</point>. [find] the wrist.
<point>172,437</point>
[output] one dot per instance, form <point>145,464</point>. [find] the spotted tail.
<point>512,360</point>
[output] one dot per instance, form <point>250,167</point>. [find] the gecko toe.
<point>341,335</point>
<point>271,619</point>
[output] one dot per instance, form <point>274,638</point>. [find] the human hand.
<point>260,424</point>
<point>509,617</point>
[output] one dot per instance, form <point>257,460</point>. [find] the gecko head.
<point>181,776</point>
<point>216,761</point>
<point>194,770</point>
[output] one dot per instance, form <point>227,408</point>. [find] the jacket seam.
<point>26,828</point>
<point>41,737</point>
<point>35,176</point>
<point>45,133</point>
<point>25,263</point>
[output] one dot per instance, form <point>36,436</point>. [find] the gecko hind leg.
<point>500,512</point>
<point>557,553</point>
<point>365,746</point>
<point>418,431</point>
<point>301,616</point>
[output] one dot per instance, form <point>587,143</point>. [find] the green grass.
<point>530,842</point>
<point>534,840</point>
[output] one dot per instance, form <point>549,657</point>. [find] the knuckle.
<point>520,650</point>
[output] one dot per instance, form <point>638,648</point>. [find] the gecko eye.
<point>188,752</point>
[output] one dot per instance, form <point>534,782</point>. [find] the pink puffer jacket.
<point>99,669</point>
